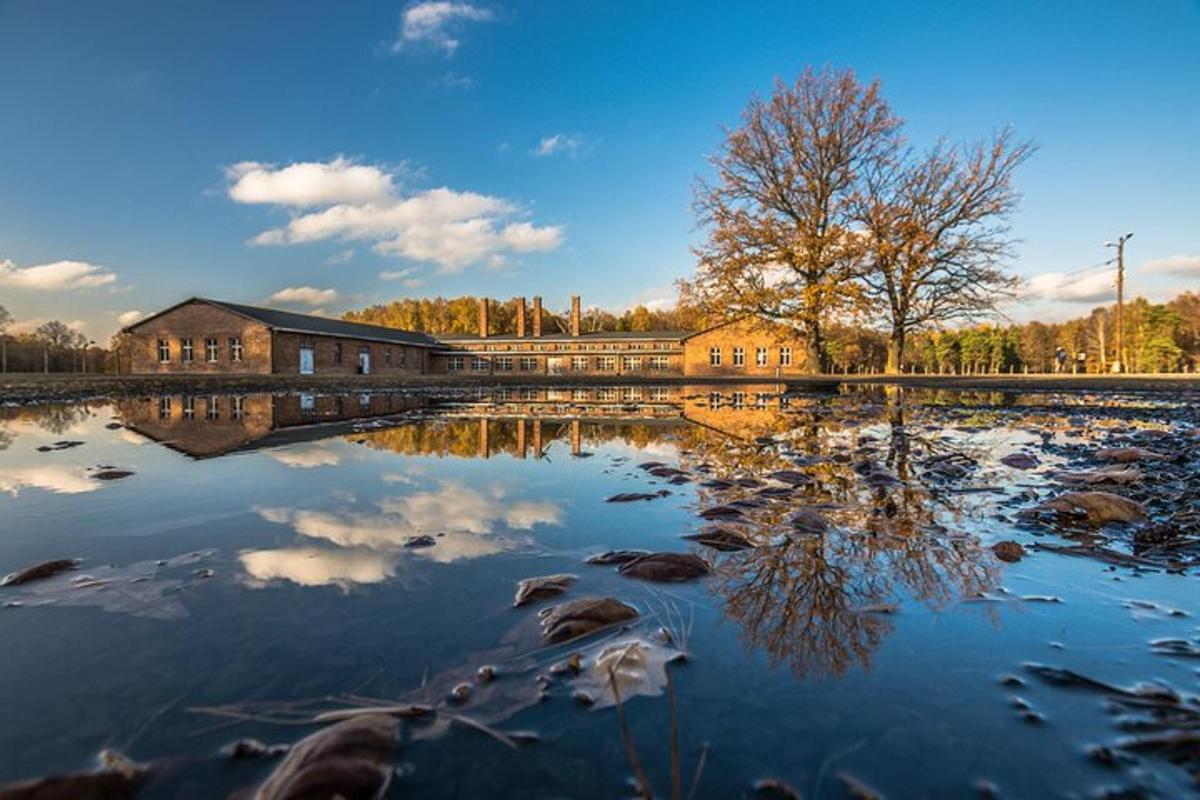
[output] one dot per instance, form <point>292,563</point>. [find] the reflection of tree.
<point>819,603</point>
<point>55,418</point>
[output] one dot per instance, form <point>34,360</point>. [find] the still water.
<point>266,560</point>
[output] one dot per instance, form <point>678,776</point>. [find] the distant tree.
<point>936,234</point>
<point>5,321</point>
<point>780,210</point>
<point>54,335</point>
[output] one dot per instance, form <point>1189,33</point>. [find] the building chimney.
<point>483,318</point>
<point>574,315</point>
<point>537,317</point>
<point>520,317</point>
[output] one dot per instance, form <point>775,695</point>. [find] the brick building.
<point>201,336</point>
<point>209,336</point>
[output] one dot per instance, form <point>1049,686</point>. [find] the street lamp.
<point>1119,366</point>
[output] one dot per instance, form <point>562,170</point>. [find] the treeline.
<point>1159,338</point>
<point>53,347</point>
<point>442,315</point>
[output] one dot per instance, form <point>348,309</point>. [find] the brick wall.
<point>199,425</point>
<point>403,360</point>
<point>749,335</point>
<point>200,321</point>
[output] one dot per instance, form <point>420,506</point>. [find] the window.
<point>185,347</point>
<point>631,393</point>
<point>606,395</point>
<point>479,364</point>
<point>739,399</point>
<point>214,407</point>
<point>164,351</point>
<point>579,363</point>
<point>504,364</point>
<point>606,363</point>
<point>739,356</point>
<point>714,399</point>
<point>528,364</point>
<point>239,407</point>
<point>164,407</point>
<point>402,358</point>
<point>763,400</point>
<point>714,356</point>
<point>189,407</point>
<point>235,348</point>
<point>785,356</point>
<point>210,350</point>
<point>659,363</point>
<point>454,363</point>
<point>760,357</point>
<point>632,364</point>
<point>660,394</point>
<point>579,395</point>
<point>337,352</point>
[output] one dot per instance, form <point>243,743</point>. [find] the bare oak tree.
<point>780,209</point>
<point>937,234</point>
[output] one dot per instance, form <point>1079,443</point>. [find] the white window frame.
<point>785,356</point>
<point>235,349</point>
<point>212,409</point>
<point>454,364</point>
<point>632,364</point>
<point>579,363</point>
<point>527,364</point>
<point>211,349</point>
<point>479,364</point>
<point>761,357</point>
<point>714,356</point>
<point>739,356</point>
<point>606,363</point>
<point>189,407</point>
<point>186,351</point>
<point>660,363</point>
<point>164,351</point>
<point>504,364</point>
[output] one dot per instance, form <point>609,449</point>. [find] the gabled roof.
<point>763,321</point>
<point>292,322</point>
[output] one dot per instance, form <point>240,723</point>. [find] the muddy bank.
<point>37,388</point>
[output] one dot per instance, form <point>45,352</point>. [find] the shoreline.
<point>36,388</point>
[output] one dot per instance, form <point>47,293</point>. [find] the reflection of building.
<point>213,425</point>
<point>202,336</point>
<point>518,421</point>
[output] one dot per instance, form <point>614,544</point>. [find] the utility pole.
<point>1119,362</point>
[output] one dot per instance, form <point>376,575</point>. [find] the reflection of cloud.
<point>306,457</point>
<point>463,519</point>
<point>52,478</point>
<point>310,566</point>
<point>129,437</point>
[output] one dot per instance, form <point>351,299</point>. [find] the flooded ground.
<point>909,592</point>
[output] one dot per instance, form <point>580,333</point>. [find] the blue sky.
<point>383,149</point>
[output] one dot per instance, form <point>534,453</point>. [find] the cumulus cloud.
<point>432,22</point>
<point>55,276</point>
<point>340,257</point>
<point>1187,266</point>
<point>467,522</point>
<point>52,478</point>
<point>310,566</point>
<point>307,457</point>
<point>304,295</point>
<point>1095,288</point>
<point>441,226</point>
<point>560,144</point>
<point>307,183</point>
<point>127,318</point>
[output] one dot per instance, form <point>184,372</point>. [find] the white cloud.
<point>340,257</point>
<point>304,295</point>
<point>1187,266</point>
<point>307,457</point>
<point>127,318</point>
<point>1095,288</point>
<point>442,226</point>
<point>52,478</point>
<point>452,80</point>
<point>308,183</point>
<point>311,566</point>
<point>430,22</point>
<point>31,325</point>
<point>54,276</point>
<point>560,143</point>
<point>657,298</point>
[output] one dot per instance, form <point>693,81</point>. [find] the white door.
<point>306,359</point>
<point>364,362</point>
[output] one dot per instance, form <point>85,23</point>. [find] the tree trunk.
<point>812,351</point>
<point>895,353</point>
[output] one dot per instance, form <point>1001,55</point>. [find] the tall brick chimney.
<point>537,317</point>
<point>483,318</point>
<point>520,317</point>
<point>574,315</point>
